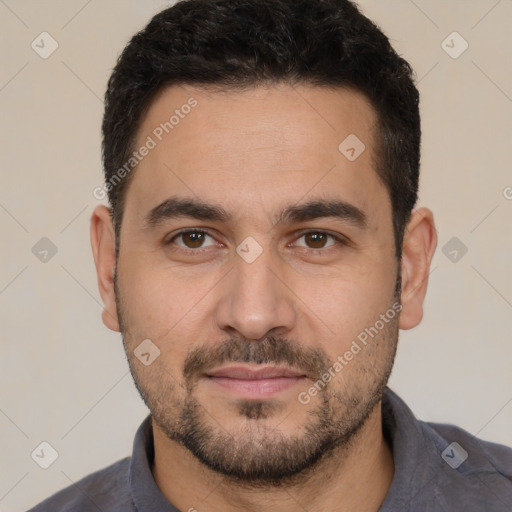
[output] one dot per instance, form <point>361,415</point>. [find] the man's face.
<point>259,281</point>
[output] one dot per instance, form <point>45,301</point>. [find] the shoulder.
<point>474,453</point>
<point>106,490</point>
<point>443,467</point>
<point>480,470</point>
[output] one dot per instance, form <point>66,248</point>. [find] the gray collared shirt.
<point>437,468</point>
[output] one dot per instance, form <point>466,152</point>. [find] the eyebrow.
<point>176,207</point>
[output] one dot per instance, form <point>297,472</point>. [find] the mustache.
<point>271,350</point>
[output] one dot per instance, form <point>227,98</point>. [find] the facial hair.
<point>260,454</point>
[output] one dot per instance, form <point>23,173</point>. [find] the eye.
<point>192,239</point>
<point>318,240</point>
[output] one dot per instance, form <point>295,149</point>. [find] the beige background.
<point>63,375</point>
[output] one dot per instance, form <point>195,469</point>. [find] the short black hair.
<point>244,43</point>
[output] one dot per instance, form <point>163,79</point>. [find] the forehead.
<point>263,145</point>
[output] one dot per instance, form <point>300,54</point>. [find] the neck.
<point>357,476</point>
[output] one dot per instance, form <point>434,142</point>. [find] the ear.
<point>419,244</point>
<point>104,252</point>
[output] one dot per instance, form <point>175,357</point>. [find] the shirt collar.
<point>416,457</point>
<point>145,493</point>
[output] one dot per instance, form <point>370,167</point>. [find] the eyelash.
<point>339,240</point>
<point>186,231</point>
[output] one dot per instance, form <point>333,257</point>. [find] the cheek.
<point>159,303</point>
<point>351,300</point>
<point>146,298</point>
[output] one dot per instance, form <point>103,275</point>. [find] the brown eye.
<point>316,240</point>
<point>191,239</point>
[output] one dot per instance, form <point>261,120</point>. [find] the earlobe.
<point>419,244</point>
<point>103,248</point>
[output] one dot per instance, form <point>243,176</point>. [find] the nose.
<point>255,302</point>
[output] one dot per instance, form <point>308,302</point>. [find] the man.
<point>261,252</point>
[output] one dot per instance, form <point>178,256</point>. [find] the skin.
<point>255,152</point>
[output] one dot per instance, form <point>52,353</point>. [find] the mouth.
<point>253,382</point>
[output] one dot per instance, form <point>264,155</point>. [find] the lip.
<point>255,383</point>
<point>248,373</point>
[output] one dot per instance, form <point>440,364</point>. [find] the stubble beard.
<point>259,454</point>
